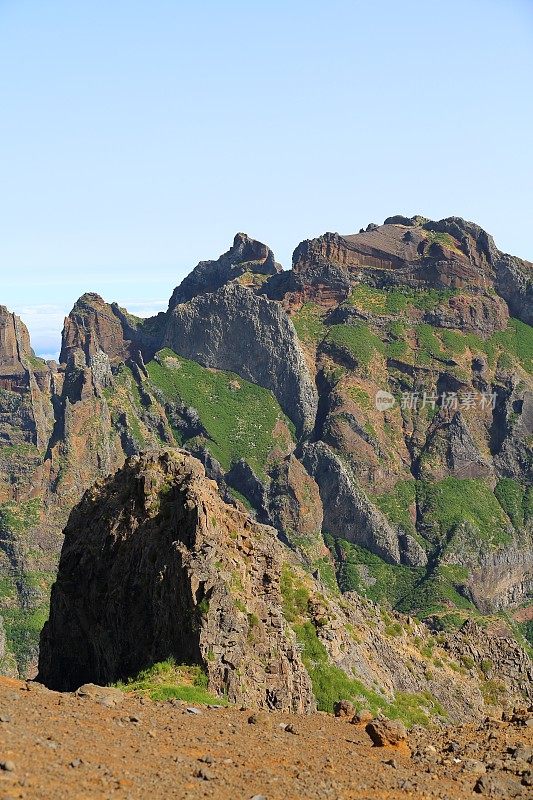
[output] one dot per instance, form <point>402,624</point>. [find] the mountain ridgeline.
<point>373,405</point>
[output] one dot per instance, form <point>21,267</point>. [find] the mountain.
<point>421,503</point>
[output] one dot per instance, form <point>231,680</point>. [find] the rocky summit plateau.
<point>292,489</point>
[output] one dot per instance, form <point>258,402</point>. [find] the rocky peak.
<point>247,260</point>
<point>94,329</point>
<point>251,336</point>
<point>449,254</point>
<point>14,343</point>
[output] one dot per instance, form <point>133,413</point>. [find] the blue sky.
<point>137,137</point>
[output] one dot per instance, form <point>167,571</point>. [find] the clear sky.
<point>137,137</point>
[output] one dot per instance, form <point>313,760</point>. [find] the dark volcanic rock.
<point>234,329</point>
<point>100,331</point>
<point>14,343</point>
<point>245,256</point>
<point>347,511</point>
<point>141,578</point>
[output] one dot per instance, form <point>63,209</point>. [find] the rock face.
<point>347,511</point>
<point>14,343</point>
<point>155,565</point>
<point>497,653</point>
<point>247,261</point>
<point>249,335</point>
<point>102,331</point>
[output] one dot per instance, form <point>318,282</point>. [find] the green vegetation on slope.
<point>167,680</point>
<point>419,590</point>
<point>124,398</point>
<point>18,517</point>
<point>429,345</point>
<point>358,340</point>
<point>526,629</point>
<point>308,323</point>
<point>514,344</point>
<point>23,629</point>
<point>242,420</point>
<point>330,683</point>
<point>444,239</point>
<point>448,503</point>
<point>396,504</point>
<point>516,500</point>
<point>396,300</point>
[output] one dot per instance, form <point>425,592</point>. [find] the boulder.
<point>386,732</point>
<point>343,708</point>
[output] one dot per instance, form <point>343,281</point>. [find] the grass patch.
<point>23,630</point>
<point>412,590</point>
<point>429,345</point>
<point>395,504</point>
<point>326,571</point>
<point>20,516</point>
<point>242,420</point>
<point>397,299</point>
<point>167,680</point>
<point>360,397</point>
<point>358,340</point>
<point>308,323</point>
<point>295,596</point>
<point>514,499</point>
<point>386,583</point>
<point>504,348</point>
<point>449,503</point>
<point>444,239</point>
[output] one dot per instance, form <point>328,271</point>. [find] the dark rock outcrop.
<point>15,346</point>
<point>246,256</point>
<point>251,336</point>
<point>155,565</point>
<point>97,332</point>
<point>349,514</point>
